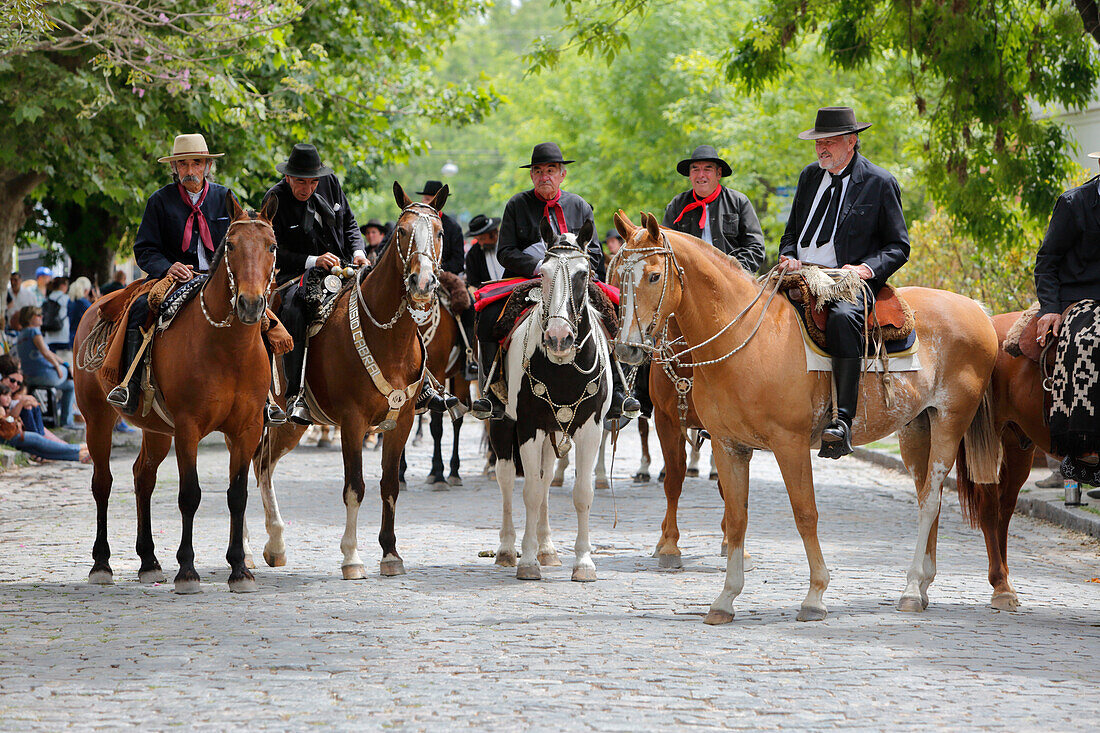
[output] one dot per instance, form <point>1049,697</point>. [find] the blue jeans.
<point>32,420</point>
<point>43,447</point>
<point>64,385</point>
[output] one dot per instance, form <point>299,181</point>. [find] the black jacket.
<point>1067,266</point>
<point>454,250</point>
<point>734,226</point>
<point>519,228</point>
<point>159,241</point>
<point>870,225</point>
<point>477,272</point>
<point>299,234</point>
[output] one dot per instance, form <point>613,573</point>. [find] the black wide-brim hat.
<point>431,188</point>
<point>833,121</point>
<point>546,153</point>
<point>481,224</point>
<point>704,153</point>
<point>304,162</point>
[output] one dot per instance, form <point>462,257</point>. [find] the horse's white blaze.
<point>422,236</point>
<point>349,544</point>
<point>632,272</point>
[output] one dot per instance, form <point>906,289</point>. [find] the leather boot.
<point>432,399</point>
<point>469,327</point>
<point>836,440</point>
<point>294,365</point>
<point>125,396</point>
<point>622,404</point>
<point>489,407</point>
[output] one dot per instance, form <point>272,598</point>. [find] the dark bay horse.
<point>214,373</point>
<point>752,391</point>
<point>367,381</point>
<point>1019,413</point>
<point>444,339</point>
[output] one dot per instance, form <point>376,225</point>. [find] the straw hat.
<point>189,146</point>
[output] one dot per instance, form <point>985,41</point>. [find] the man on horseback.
<point>520,251</point>
<point>1067,283</point>
<point>846,214</point>
<point>482,266</point>
<point>714,213</point>
<point>181,228</point>
<point>454,250</point>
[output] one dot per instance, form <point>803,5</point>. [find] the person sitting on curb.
<point>12,433</point>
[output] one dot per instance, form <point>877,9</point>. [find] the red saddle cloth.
<point>494,291</point>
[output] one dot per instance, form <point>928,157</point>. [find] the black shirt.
<point>320,224</point>
<point>159,241</point>
<point>519,229</point>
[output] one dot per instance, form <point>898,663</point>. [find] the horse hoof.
<point>641,478</point>
<point>324,443</point>
<point>275,559</point>
<point>810,613</point>
<point>584,574</point>
<point>1005,601</point>
<point>187,587</point>
<point>549,559</point>
<point>454,480</point>
<point>908,604</point>
<point>692,473</point>
<point>353,572</point>
<point>670,561</point>
<point>717,618</point>
<point>393,567</point>
<point>725,551</point>
<point>713,476</point>
<point>528,572</point>
<point>438,485</point>
<point>747,563</point>
<point>101,577</point>
<point>557,482</point>
<point>506,559</point>
<point>243,584</point>
<point>148,577</point>
<point>602,483</point>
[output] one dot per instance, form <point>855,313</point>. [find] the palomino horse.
<point>214,373</point>
<point>752,391</point>
<point>1019,414</point>
<point>368,379</point>
<point>558,372</point>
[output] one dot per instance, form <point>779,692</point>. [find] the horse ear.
<point>585,235</point>
<point>624,226</point>
<point>269,207</point>
<point>402,198</point>
<point>441,198</point>
<point>547,232</point>
<point>235,210</point>
<point>651,225</point>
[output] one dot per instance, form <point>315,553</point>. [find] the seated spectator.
<point>80,301</point>
<point>42,367</point>
<point>55,318</point>
<point>12,433</point>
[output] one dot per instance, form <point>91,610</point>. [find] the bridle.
<point>558,259</point>
<point>232,280</point>
<point>425,215</point>
<point>636,258</point>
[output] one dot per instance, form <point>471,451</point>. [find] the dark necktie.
<point>828,208</point>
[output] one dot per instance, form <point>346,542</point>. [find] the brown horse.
<point>445,343</point>
<point>1019,414</point>
<point>213,372</point>
<point>347,383</point>
<point>752,391</point>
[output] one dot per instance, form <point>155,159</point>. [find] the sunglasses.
<point>13,380</point>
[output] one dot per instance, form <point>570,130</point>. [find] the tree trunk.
<point>1090,16</point>
<point>14,187</point>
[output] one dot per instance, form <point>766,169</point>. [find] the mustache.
<point>190,179</point>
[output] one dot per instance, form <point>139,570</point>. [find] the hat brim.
<point>494,223</point>
<point>319,173</point>
<point>547,162</point>
<point>189,156</point>
<point>815,134</point>
<point>1094,155</point>
<point>684,166</point>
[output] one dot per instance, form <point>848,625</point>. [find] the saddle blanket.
<point>1075,383</point>
<point>907,360</point>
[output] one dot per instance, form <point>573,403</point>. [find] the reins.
<point>227,322</point>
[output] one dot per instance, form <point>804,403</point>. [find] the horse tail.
<point>979,463</point>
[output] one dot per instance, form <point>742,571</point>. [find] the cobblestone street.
<point>460,643</point>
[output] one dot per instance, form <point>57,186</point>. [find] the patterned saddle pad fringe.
<point>893,321</point>
<point>1075,382</point>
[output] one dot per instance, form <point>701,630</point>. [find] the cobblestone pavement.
<point>460,643</point>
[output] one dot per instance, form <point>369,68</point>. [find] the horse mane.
<point>720,259</point>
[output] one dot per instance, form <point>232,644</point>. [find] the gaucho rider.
<point>1067,282</point>
<point>520,250</point>
<point>314,227</point>
<point>184,222</point>
<point>846,213</point>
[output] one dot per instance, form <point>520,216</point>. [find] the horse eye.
<point>229,246</point>
<point>654,277</point>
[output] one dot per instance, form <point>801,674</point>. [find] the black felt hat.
<point>481,224</point>
<point>700,154</point>
<point>431,188</point>
<point>546,153</point>
<point>833,121</point>
<point>304,162</point>
<point>374,224</point>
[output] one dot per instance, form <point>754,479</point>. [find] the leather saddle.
<point>1021,338</point>
<point>893,322</point>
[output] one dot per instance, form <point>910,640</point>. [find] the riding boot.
<point>294,361</point>
<point>432,399</point>
<point>468,324</point>
<point>489,406</point>
<point>836,440</point>
<point>125,396</point>
<point>622,404</point>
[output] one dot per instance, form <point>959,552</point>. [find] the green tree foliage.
<point>94,100</point>
<point>981,76</point>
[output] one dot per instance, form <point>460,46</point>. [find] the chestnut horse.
<point>214,374</point>
<point>1019,413</point>
<point>347,383</point>
<point>752,391</point>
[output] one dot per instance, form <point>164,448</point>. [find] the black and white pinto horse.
<point>558,373</point>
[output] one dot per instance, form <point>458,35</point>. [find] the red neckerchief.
<point>204,228</point>
<point>696,204</point>
<point>559,212</point>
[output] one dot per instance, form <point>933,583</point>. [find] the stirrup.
<point>119,396</point>
<point>487,408</point>
<point>299,413</point>
<point>836,440</point>
<point>273,414</point>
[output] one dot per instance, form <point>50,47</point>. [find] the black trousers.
<point>292,314</point>
<point>844,329</point>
